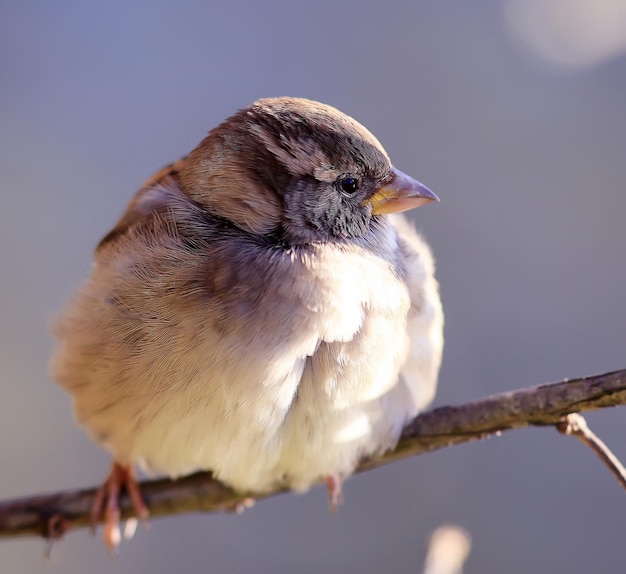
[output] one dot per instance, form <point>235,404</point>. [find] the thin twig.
<point>576,425</point>
<point>442,427</point>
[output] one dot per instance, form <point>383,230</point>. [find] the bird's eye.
<point>348,184</point>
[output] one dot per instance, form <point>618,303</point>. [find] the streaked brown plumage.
<point>256,311</point>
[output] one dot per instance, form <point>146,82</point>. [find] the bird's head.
<point>300,169</point>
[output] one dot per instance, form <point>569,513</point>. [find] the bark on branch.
<point>546,405</point>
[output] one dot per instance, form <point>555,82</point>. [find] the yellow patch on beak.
<point>401,193</point>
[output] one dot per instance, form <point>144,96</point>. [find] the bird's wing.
<point>152,196</point>
<point>425,319</point>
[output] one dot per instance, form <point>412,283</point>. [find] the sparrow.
<point>261,311</point>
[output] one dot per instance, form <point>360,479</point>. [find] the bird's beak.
<point>402,192</point>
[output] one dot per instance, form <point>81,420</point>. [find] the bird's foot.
<point>335,496</point>
<point>242,505</point>
<point>106,504</point>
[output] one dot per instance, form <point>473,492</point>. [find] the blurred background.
<point>513,111</point>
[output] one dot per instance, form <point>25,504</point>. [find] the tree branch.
<point>576,426</point>
<point>51,515</point>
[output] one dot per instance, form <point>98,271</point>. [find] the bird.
<point>262,310</point>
